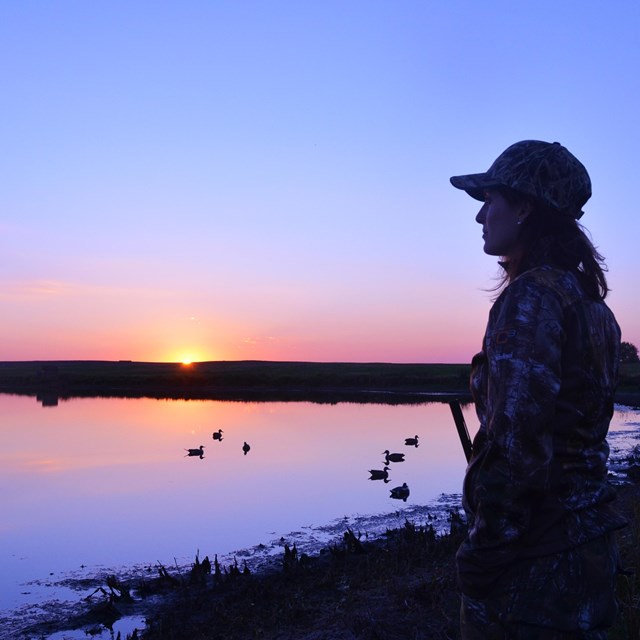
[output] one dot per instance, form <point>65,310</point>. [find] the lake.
<point>97,486</point>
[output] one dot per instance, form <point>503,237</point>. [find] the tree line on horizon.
<point>628,353</point>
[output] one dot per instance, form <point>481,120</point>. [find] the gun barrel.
<point>461,425</point>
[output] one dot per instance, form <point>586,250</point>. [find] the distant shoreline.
<point>255,380</point>
<point>237,380</point>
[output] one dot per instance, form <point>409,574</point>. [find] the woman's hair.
<point>550,237</point>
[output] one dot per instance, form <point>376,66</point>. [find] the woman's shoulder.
<point>541,288</point>
<point>547,280</point>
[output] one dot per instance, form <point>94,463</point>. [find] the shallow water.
<point>98,486</point>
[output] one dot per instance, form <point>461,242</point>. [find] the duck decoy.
<point>411,442</point>
<point>393,457</point>
<point>400,493</point>
<point>196,452</point>
<point>245,448</point>
<point>217,435</point>
<point>380,474</point>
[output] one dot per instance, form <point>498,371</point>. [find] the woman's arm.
<point>508,477</point>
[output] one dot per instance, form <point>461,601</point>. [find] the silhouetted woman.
<point>539,560</point>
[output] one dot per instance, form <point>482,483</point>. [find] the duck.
<point>217,435</point>
<point>400,493</point>
<point>393,457</point>
<point>196,452</point>
<point>411,442</point>
<point>245,448</point>
<point>379,474</point>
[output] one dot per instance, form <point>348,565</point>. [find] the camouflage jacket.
<point>543,386</point>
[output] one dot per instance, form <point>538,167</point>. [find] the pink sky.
<point>256,181</point>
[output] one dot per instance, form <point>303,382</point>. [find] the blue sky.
<point>270,180</point>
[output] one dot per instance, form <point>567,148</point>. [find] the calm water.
<point>101,484</point>
<point>106,482</point>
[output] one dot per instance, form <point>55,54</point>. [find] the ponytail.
<point>549,237</point>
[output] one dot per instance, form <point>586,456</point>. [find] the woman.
<point>539,560</point>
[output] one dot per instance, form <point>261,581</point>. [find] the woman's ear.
<point>525,211</point>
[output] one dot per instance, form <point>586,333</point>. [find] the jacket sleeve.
<point>507,479</point>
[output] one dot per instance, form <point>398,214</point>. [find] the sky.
<point>231,180</point>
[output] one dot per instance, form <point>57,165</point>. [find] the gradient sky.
<point>270,180</point>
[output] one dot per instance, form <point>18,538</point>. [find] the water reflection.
<point>97,484</point>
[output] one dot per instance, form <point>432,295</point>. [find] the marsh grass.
<point>401,586</point>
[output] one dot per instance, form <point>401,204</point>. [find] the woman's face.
<point>500,224</point>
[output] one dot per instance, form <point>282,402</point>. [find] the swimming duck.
<point>379,474</point>
<point>196,452</point>
<point>393,457</point>
<point>411,442</point>
<point>400,493</point>
<point>245,448</point>
<point>217,435</point>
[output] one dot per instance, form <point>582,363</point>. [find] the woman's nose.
<point>480,218</point>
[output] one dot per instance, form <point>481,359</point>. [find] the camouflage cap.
<point>544,170</point>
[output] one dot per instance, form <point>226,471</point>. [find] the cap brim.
<point>475,184</point>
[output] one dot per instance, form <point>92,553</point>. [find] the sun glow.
<point>188,359</point>
<point>188,355</point>
<point>185,356</point>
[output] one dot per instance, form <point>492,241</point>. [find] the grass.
<point>401,586</point>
